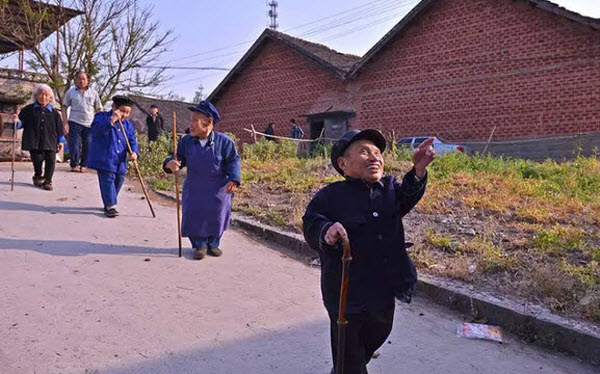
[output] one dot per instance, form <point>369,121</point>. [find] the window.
<point>418,141</point>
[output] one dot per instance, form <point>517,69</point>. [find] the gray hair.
<point>39,88</point>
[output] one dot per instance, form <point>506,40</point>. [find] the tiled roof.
<point>165,108</point>
<point>326,55</point>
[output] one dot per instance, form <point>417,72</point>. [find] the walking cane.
<point>342,322</point>
<point>176,174</point>
<point>12,166</point>
<point>137,169</point>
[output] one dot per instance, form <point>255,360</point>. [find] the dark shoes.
<point>110,212</point>
<point>38,181</point>
<point>215,252</point>
<point>42,182</point>
<point>200,253</point>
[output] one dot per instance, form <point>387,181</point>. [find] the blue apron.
<point>206,204</point>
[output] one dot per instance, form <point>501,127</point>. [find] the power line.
<point>399,65</point>
<point>370,4</point>
<point>372,24</point>
<point>360,17</point>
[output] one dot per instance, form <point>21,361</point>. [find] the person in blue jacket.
<point>213,175</point>
<point>108,150</point>
<point>367,209</point>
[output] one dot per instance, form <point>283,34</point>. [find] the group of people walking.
<point>364,209</point>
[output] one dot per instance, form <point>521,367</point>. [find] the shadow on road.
<point>82,248</point>
<point>18,206</point>
<point>296,349</point>
<point>20,184</point>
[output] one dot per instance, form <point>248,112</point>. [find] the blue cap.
<point>208,109</point>
<point>349,137</point>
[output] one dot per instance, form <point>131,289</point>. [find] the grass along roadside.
<point>518,227</point>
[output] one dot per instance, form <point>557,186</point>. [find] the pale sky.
<point>218,33</point>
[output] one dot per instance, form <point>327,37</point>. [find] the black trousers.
<point>38,158</point>
<point>365,333</point>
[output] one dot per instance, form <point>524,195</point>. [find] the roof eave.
<point>238,66</point>
<point>340,73</point>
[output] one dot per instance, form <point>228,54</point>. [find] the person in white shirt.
<point>84,102</point>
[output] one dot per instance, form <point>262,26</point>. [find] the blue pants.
<point>110,185</point>
<point>210,241</point>
<point>79,144</point>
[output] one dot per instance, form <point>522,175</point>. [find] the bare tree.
<point>174,96</point>
<point>199,94</point>
<point>112,40</point>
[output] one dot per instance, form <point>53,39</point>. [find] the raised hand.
<point>422,157</point>
<point>116,116</point>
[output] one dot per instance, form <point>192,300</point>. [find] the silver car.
<point>439,146</point>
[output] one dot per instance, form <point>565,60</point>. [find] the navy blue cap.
<point>349,137</point>
<point>122,100</point>
<point>208,109</point>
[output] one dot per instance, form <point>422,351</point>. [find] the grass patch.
<point>439,241</point>
<point>537,224</point>
<point>162,185</point>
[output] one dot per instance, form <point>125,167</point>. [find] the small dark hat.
<point>122,100</point>
<point>208,109</point>
<point>153,106</point>
<point>349,137</point>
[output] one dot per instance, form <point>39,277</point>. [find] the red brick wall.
<point>466,66</point>
<point>461,69</point>
<point>286,90</point>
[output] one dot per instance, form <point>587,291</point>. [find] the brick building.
<point>457,69</point>
<point>141,110</point>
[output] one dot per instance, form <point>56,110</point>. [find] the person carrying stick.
<point>176,180</point>
<point>365,209</point>
<point>213,175</point>
<point>111,134</point>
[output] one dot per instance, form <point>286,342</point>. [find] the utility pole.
<point>273,14</point>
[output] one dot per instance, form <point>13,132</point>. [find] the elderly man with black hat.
<point>213,175</point>
<point>366,208</point>
<point>108,150</point>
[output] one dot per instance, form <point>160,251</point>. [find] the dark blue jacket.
<point>372,216</point>
<point>108,149</point>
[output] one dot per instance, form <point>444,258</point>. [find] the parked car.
<point>440,146</point>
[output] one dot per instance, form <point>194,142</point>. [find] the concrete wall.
<point>557,148</point>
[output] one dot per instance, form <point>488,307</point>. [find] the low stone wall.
<point>557,148</point>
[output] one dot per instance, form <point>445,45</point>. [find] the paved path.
<point>81,293</point>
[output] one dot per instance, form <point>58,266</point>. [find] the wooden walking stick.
<point>12,166</point>
<point>137,169</point>
<point>176,174</point>
<point>342,322</point>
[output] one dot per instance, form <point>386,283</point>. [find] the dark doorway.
<point>315,129</point>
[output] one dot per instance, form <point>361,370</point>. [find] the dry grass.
<point>530,229</point>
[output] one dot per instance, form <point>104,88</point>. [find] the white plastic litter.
<point>479,331</point>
